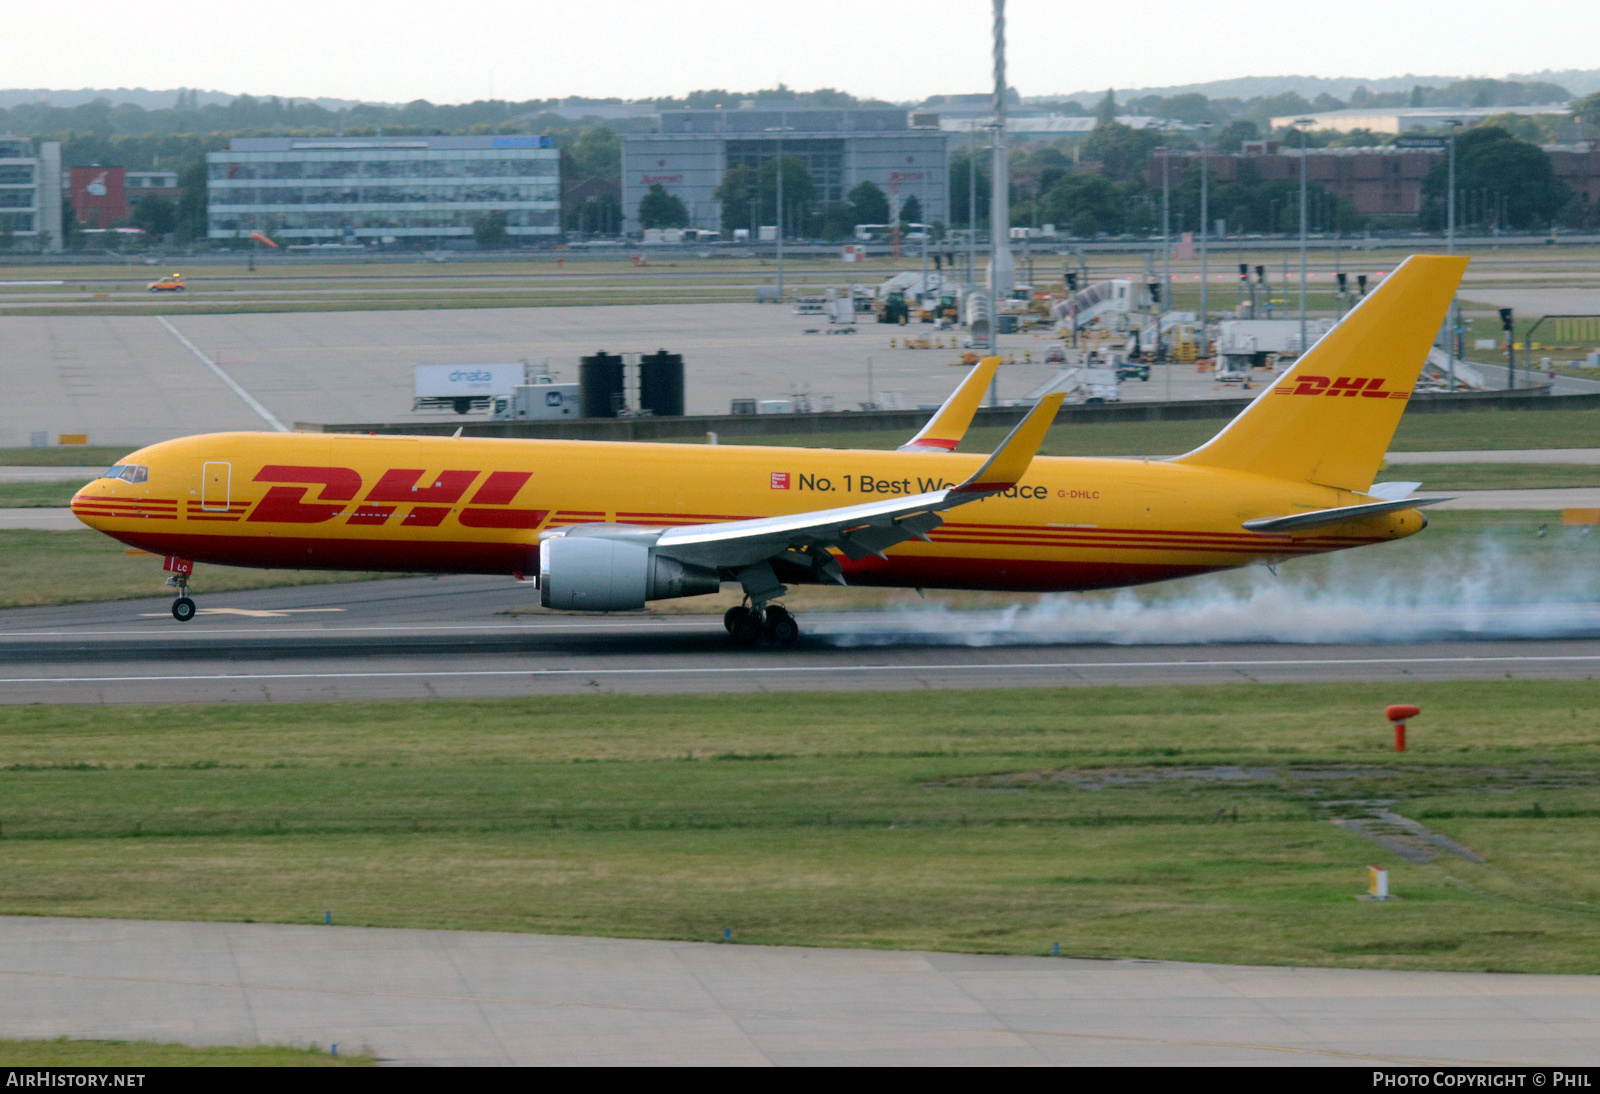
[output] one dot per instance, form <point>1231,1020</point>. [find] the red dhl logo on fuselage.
<point>1350,386</point>
<point>488,507</point>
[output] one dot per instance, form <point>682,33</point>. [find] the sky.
<point>401,50</point>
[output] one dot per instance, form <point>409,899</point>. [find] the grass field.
<point>1102,819</point>
<point>1463,431</point>
<point>65,1053</point>
<point>96,457</point>
<point>37,495</point>
<point>72,567</point>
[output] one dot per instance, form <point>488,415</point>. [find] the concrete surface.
<point>1586,456</point>
<point>49,474</point>
<point>127,380</point>
<point>1572,497</point>
<point>39,520</point>
<point>465,997</point>
<point>449,638</point>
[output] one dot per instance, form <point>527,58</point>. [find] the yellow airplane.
<point>609,526</point>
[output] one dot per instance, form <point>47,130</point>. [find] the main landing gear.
<point>182,608</point>
<point>750,626</point>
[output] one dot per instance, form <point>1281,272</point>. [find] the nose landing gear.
<point>752,626</point>
<point>183,608</point>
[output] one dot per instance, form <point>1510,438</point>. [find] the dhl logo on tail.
<point>1368,387</point>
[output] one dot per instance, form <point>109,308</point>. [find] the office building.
<point>692,149</point>
<point>383,189</point>
<point>30,192</point>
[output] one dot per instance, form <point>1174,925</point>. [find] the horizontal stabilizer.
<point>1394,491</point>
<point>1321,518</point>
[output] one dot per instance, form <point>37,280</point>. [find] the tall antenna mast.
<point>1002,271</point>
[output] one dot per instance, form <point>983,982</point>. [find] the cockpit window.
<point>130,472</point>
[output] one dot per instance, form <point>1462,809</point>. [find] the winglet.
<point>1010,461</point>
<point>949,423</point>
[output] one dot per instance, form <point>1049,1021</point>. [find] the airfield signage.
<point>446,381</point>
<point>1431,143</point>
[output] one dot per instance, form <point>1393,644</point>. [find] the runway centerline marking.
<point>408,628</point>
<point>768,669</point>
<point>254,613</point>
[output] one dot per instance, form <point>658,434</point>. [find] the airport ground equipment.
<point>464,388</point>
<point>1107,303</point>
<point>1247,344</point>
<point>1090,380</point>
<point>543,400</point>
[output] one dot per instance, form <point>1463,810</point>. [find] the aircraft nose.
<point>84,505</point>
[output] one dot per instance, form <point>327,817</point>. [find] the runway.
<point>451,638</point>
<point>469,997</point>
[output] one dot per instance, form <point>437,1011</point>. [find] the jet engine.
<point>602,573</point>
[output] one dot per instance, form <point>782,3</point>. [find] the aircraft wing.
<point>856,531</point>
<point>950,423</point>
<point>1321,518</point>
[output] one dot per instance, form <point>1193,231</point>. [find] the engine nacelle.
<point>614,574</point>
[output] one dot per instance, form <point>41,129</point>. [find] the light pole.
<point>1302,124</point>
<point>1001,273</point>
<point>925,229</point>
<point>780,130</point>
<point>1167,261</point>
<point>1450,248</point>
<point>1205,233</point>
<point>972,210</point>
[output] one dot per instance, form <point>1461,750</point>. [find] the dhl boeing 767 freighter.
<point>611,526</point>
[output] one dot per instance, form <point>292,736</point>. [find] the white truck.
<point>464,387</point>
<point>542,400</point>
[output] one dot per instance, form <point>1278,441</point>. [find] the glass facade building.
<point>382,189</point>
<point>30,191</point>
<point>692,149</point>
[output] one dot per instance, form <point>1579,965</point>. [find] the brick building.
<point>1579,167</point>
<point>1383,181</point>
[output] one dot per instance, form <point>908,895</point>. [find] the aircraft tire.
<point>747,631</point>
<point>783,630</point>
<point>183,609</point>
<point>731,617</point>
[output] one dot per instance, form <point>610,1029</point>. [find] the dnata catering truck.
<point>464,387</point>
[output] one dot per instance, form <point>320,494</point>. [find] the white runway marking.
<point>253,613</point>
<point>766,668</point>
<point>249,399</point>
<point>406,628</point>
